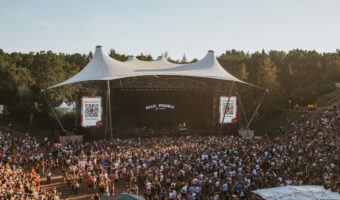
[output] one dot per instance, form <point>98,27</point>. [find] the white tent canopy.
<point>297,193</point>
<point>73,105</point>
<point>63,105</point>
<point>208,67</point>
<point>103,67</point>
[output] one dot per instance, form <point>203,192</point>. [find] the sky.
<point>190,27</point>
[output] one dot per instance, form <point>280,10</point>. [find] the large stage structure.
<point>157,94</point>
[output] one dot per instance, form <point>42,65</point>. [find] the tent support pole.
<point>225,110</point>
<point>244,114</point>
<point>106,115</point>
<point>108,109</point>
<point>257,108</point>
<point>110,114</point>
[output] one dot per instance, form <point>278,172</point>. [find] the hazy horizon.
<point>179,27</point>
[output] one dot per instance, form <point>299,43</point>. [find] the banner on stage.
<point>2,109</point>
<point>91,111</point>
<point>230,115</point>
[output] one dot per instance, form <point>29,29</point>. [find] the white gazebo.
<point>63,105</point>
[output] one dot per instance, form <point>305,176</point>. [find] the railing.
<point>18,133</point>
<point>40,196</point>
<point>332,100</point>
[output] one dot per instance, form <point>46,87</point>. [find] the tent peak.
<point>130,58</point>
<point>159,58</point>
<point>211,52</point>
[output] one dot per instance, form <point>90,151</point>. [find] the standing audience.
<point>186,167</point>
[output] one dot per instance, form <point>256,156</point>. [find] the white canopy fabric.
<point>73,105</point>
<point>208,67</point>
<point>305,192</point>
<point>63,105</point>
<point>103,67</point>
<point>160,62</point>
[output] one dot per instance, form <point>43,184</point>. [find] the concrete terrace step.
<point>80,197</point>
<point>305,110</point>
<point>57,181</point>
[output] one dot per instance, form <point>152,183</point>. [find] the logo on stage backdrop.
<point>230,111</point>
<point>160,107</point>
<point>91,111</point>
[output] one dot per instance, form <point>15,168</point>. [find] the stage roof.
<point>103,67</point>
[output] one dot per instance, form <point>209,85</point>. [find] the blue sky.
<point>180,27</point>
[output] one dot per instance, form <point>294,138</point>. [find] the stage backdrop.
<point>162,110</point>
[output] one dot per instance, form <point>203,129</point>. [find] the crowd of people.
<point>23,160</point>
<point>186,167</point>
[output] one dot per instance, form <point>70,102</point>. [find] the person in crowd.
<point>49,175</point>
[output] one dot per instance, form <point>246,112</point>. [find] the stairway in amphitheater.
<point>61,186</point>
<point>66,193</point>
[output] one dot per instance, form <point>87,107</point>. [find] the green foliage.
<point>120,57</point>
<point>243,74</point>
<point>24,75</point>
<point>267,74</point>
<point>144,57</point>
<point>299,75</point>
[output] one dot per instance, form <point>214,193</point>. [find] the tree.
<point>144,58</point>
<point>243,74</point>
<point>184,59</point>
<point>117,56</point>
<point>193,60</point>
<point>267,73</point>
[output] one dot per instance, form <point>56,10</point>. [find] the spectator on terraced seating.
<point>49,174</point>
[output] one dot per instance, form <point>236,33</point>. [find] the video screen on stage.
<point>91,111</point>
<point>231,111</point>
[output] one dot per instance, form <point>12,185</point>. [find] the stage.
<point>160,106</point>
<point>118,98</point>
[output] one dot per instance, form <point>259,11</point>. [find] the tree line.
<point>299,75</point>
